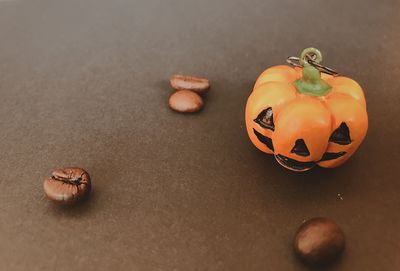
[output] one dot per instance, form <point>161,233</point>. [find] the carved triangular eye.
<point>300,148</point>
<point>266,119</point>
<point>341,135</point>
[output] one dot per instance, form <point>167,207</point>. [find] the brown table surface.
<point>86,83</point>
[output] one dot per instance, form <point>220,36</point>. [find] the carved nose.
<point>300,148</point>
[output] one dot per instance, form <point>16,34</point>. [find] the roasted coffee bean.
<point>68,185</point>
<point>319,241</point>
<point>199,85</point>
<point>185,101</point>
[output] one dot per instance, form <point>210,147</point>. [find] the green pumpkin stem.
<point>311,82</point>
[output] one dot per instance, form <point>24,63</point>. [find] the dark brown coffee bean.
<point>199,85</point>
<point>319,241</point>
<point>186,101</point>
<point>67,185</point>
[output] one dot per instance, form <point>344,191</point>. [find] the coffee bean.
<point>319,241</point>
<point>185,101</point>
<point>68,185</point>
<point>199,85</point>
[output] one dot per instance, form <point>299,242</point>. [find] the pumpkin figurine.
<point>304,117</point>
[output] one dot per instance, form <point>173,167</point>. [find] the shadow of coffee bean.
<point>81,208</point>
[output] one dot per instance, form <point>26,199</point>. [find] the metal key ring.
<point>322,68</point>
<point>295,61</point>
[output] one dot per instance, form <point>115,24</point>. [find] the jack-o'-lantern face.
<point>304,130</point>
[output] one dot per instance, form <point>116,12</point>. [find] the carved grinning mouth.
<point>292,163</point>
<point>331,155</point>
<point>300,166</point>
